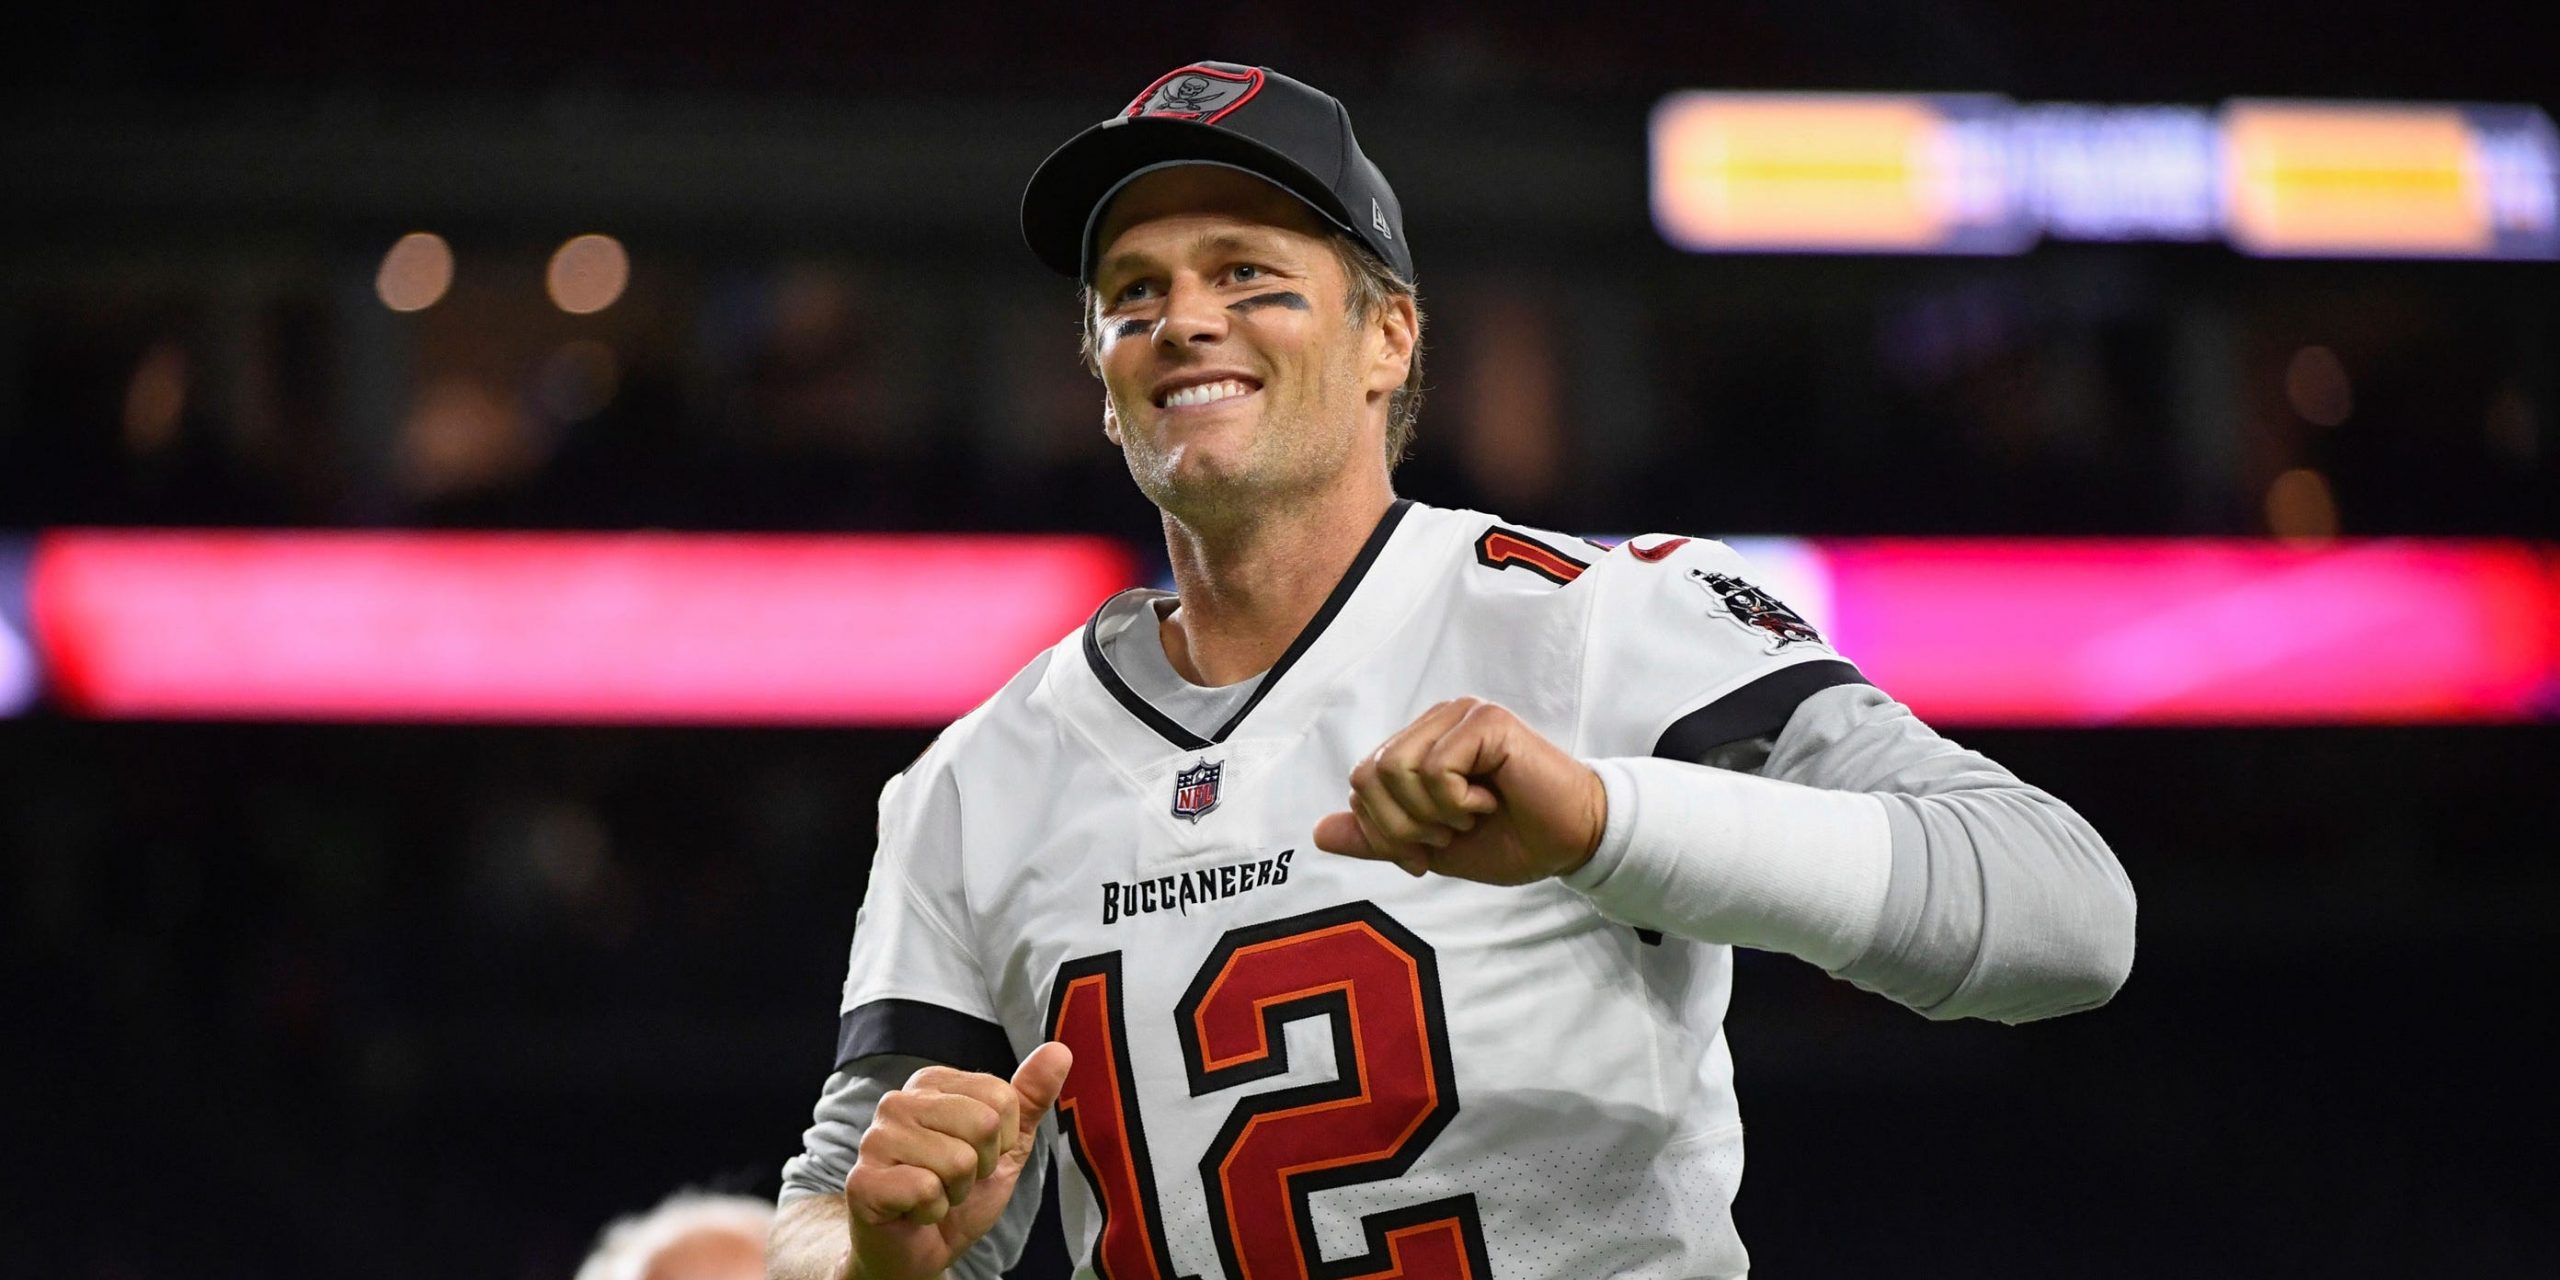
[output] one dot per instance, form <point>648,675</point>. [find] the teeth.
<point>1207,392</point>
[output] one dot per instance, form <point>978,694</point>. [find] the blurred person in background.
<point>1579,777</point>
<point>691,1235</point>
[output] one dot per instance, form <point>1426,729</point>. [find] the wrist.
<point>1594,808</point>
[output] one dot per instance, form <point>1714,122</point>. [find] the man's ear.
<point>1110,420</point>
<point>1396,324</point>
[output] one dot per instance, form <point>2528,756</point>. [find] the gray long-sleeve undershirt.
<point>2002,902</point>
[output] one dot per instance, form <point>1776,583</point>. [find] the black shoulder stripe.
<point>925,1031</point>
<point>1756,710</point>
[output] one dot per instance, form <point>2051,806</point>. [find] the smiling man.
<point>1467,1020</point>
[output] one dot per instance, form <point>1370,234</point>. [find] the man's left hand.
<point>1468,790</point>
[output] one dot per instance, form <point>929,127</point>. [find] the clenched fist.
<point>940,1161</point>
<point>1469,790</point>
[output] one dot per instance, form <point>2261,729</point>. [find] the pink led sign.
<point>914,630</point>
<point>2201,632</point>
<point>539,627</point>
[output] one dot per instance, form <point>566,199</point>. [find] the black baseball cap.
<point>1249,118</point>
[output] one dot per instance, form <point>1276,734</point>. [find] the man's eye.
<point>1245,273</point>
<point>1131,292</point>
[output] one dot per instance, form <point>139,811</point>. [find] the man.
<point>1467,1023</point>
<point>691,1235</point>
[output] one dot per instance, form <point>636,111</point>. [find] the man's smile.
<point>1205,387</point>
<point>1207,393</point>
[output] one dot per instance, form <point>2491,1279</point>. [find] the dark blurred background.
<point>399,1000</point>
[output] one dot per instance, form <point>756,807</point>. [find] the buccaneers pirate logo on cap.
<point>1198,93</point>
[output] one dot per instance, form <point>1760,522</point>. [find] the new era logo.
<point>1195,790</point>
<point>1378,218</point>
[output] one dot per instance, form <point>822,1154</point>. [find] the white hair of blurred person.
<point>691,1235</point>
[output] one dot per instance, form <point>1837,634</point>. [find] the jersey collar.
<point>1165,727</point>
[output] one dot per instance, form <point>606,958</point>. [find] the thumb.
<point>1040,1079</point>
<point>1340,833</point>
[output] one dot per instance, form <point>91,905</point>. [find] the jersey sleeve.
<point>2004,902</point>
<point>913,984</point>
<point>1688,654</point>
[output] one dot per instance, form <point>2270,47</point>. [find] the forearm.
<point>811,1240</point>
<point>2005,905</point>
<point>1726,857</point>
<point>1883,853</point>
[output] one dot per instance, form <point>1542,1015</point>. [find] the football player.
<point>1464,1020</point>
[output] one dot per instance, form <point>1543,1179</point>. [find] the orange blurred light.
<point>587,274</point>
<point>1802,171</point>
<point>415,273</point>
<point>2325,178</point>
<point>155,401</point>
<point>2300,507</point>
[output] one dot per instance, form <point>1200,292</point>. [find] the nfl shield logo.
<point>1195,790</point>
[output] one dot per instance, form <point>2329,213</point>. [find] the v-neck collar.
<point>1170,730</point>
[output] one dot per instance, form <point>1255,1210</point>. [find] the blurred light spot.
<point>156,399</point>
<point>2300,507</point>
<point>1514,424</point>
<point>415,273</point>
<point>2316,384</point>
<point>588,273</point>
<point>810,307</point>
<point>571,849</point>
<point>17,670</point>
<point>461,437</point>
<point>577,381</point>
<point>2511,428</point>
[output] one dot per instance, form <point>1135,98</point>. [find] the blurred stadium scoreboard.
<point>913,630</point>
<point>1981,174</point>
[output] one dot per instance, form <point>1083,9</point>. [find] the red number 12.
<point>1378,987</point>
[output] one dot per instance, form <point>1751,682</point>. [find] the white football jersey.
<point>1290,1064</point>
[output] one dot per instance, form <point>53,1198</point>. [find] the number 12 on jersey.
<point>1378,987</point>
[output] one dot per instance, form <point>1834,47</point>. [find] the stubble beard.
<point>1286,459</point>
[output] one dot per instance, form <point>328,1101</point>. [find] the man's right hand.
<point>940,1161</point>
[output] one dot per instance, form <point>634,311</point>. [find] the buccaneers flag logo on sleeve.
<point>1757,611</point>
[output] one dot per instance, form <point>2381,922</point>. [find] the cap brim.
<point>1066,193</point>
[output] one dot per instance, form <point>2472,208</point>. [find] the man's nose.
<point>1192,313</point>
